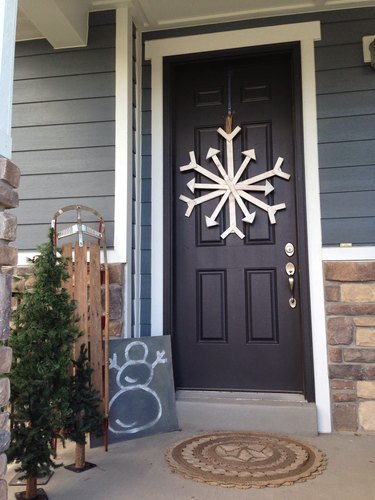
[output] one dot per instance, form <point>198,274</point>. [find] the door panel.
<point>232,325</point>
<point>212,321</point>
<point>262,321</point>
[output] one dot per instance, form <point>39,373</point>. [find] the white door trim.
<point>8,18</point>
<point>306,34</point>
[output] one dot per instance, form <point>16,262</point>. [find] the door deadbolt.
<point>289,249</point>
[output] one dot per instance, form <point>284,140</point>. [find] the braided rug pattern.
<point>245,459</point>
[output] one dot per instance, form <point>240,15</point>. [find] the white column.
<point>8,18</point>
<point>124,153</point>
<point>157,215</point>
<point>314,236</point>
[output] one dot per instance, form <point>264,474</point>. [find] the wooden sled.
<point>87,277</point>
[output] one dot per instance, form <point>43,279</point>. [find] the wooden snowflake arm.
<point>191,203</point>
<point>277,169</point>
<point>249,155</point>
<point>270,209</point>
<point>192,165</point>
<point>211,221</point>
<point>193,185</point>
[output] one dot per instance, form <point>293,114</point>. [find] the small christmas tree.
<point>85,416</point>
<point>44,330</point>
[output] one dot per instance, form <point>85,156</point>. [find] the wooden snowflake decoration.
<point>230,188</point>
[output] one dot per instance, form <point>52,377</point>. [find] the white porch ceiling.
<point>64,22</point>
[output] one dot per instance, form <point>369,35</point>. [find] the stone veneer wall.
<point>9,180</point>
<point>22,278</point>
<point>350,310</point>
<point>116,299</point>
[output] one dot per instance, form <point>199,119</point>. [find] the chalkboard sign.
<point>141,390</point>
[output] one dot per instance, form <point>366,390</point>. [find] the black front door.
<point>235,314</point>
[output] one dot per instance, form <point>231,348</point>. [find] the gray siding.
<point>346,126</point>
<point>64,129</point>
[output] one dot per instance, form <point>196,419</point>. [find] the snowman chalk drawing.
<point>135,396</point>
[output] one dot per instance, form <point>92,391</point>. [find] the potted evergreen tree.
<point>44,330</point>
<point>85,416</point>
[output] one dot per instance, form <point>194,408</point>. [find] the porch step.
<point>237,411</point>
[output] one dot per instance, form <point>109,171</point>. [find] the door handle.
<point>290,269</point>
<point>292,300</point>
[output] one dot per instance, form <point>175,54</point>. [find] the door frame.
<point>306,34</point>
<point>304,325</point>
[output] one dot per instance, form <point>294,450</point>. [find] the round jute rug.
<point>245,459</point>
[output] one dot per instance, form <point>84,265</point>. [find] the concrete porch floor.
<point>136,470</point>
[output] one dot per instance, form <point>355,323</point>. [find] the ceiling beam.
<point>64,23</point>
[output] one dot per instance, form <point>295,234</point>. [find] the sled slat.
<point>80,292</point>
<point>96,347</point>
